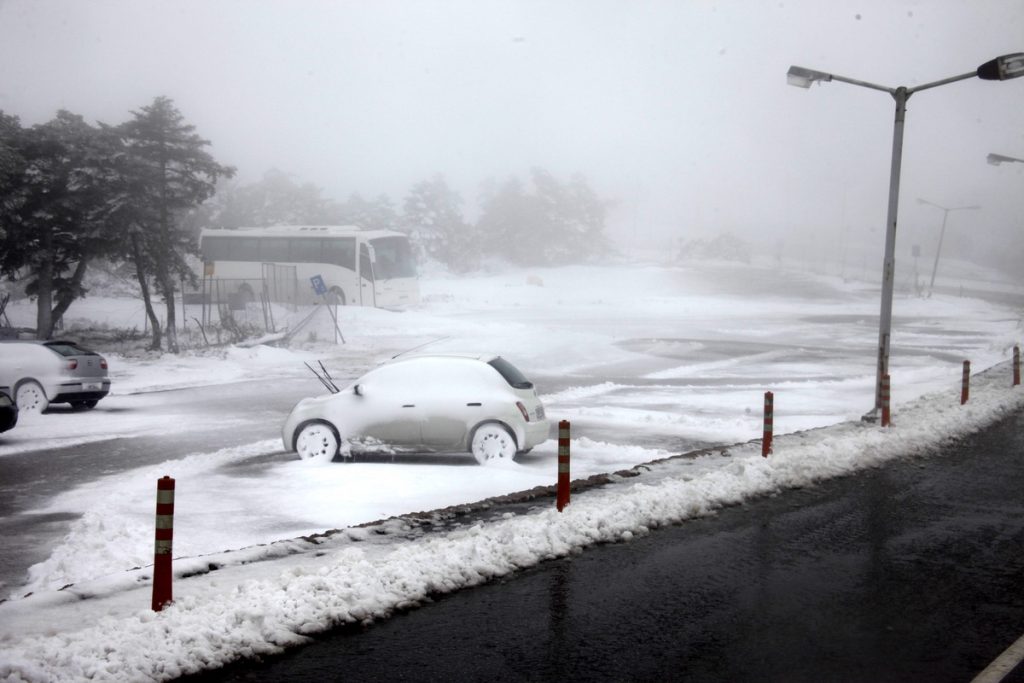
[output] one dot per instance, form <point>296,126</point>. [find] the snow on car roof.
<point>483,357</point>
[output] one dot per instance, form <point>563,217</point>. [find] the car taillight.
<point>103,363</point>
<point>522,409</point>
<point>72,364</point>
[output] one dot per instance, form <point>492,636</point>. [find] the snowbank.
<point>104,631</point>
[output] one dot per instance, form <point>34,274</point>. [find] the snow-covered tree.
<point>276,199</point>
<point>555,223</point>
<point>173,173</point>
<point>432,217</point>
<point>59,193</point>
<point>376,214</point>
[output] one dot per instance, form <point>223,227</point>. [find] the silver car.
<point>44,372</point>
<point>423,403</point>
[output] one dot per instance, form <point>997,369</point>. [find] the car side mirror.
<point>357,390</point>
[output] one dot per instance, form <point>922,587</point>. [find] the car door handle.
<point>477,405</point>
<point>409,405</point>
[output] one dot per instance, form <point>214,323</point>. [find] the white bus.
<point>358,267</point>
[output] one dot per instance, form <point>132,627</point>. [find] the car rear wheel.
<point>317,441</point>
<point>492,443</point>
<point>31,398</point>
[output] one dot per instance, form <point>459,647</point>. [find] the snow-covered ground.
<point>644,360</point>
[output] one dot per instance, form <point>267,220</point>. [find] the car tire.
<point>30,397</point>
<point>317,442</point>
<point>492,442</point>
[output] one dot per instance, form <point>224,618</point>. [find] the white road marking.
<point>1003,664</point>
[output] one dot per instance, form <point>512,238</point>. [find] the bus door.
<point>367,287</point>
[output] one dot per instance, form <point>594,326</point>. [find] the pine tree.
<point>376,214</point>
<point>59,193</point>
<point>433,220</point>
<point>173,174</point>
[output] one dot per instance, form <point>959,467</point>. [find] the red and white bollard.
<point>886,414</point>
<point>1016,364</point>
<point>769,422</point>
<point>164,536</point>
<point>563,465</point>
<point>965,384</point>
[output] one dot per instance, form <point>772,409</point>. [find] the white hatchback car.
<point>423,403</point>
<point>44,372</point>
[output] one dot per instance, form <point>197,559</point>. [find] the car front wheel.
<point>317,441</point>
<point>491,443</point>
<point>31,398</point>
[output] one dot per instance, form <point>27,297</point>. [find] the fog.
<point>677,112</point>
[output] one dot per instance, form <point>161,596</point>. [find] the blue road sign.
<point>318,285</point>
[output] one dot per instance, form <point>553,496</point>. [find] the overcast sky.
<point>679,111</point>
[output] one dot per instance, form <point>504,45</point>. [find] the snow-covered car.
<point>58,371</point>
<point>8,410</point>
<point>433,403</point>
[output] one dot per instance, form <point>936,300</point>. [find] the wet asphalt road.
<point>911,572</point>
<point>29,479</point>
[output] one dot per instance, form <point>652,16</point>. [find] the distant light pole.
<point>998,69</point>
<point>942,233</point>
<point>996,159</point>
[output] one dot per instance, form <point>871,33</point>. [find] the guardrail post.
<point>769,422</point>
<point>965,384</point>
<point>563,465</point>
<point>1016,364</point>
<point>886,410</point>
<point>164,536</point>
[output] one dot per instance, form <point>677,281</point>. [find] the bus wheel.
<point>336,296</point>
<point>245,293</point>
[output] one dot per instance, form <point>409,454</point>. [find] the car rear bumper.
<point>81,391</point>
<point>535,433</point>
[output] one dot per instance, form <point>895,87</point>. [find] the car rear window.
<point>511,373</point>
<point>69,349</point>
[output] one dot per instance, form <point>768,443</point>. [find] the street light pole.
<point>942,233</point>
<point>1001,69</point>
<point>889,262</point>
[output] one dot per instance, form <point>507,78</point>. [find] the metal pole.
<point>563,488</point>
<point>769,424</point>
<point>938,250</point>
<point>889,264</point>
<point>965,384</point>
<point>162,591</point>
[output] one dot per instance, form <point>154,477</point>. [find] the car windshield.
<point>511,373</point>
<point>69,349</point>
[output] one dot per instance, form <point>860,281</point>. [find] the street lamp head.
<point>996,159</point>
<point>802,78</point>
<point>1003,68</point>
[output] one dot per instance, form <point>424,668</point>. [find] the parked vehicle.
<point>423,403</point>
<point>59,371</point>
<point>354,267</point>
<point>8,410</point>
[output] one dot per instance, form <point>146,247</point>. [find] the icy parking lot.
<point>645,361</point>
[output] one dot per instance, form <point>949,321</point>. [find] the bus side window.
<point>274,250</point>
<point>244,249</point>
<point>305,250</point>
<point>340,251</point>
<point>215,248</point>
<point>365,267</point>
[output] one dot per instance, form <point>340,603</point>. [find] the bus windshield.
<point>393,258</point>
